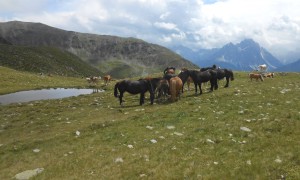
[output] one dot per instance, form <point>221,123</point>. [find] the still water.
<point>43,94</point>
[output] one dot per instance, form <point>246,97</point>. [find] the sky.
<point>196,24</point>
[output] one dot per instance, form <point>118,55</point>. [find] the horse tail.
<point>116,89</point>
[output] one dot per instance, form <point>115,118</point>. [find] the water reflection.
<point>43,94</point>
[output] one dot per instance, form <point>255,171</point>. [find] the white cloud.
<point>275,24</point>
<point>167,26</point>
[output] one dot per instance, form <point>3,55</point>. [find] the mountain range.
<point>244,56</point>
<point>120,57</point>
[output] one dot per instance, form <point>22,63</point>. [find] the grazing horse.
<point>256,76</point>
<point>106,79</point>
<point>175,88</point>
<point>140,86</point>
<point>228,74</point>
<point>93,79</point>
<point>162,89</point>
<point>270,75</point>
<point>221,73</point>
<point>201,77</point>
<point>184,76</point>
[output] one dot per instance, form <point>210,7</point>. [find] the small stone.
<point>119,160</point>
<point>210,141</point>
<point>178,134</point>
<point>245,129</point>
<point>36,150</point>
<point>77,133</point>
<point>149,127</point>
<point>29,173</point>
<point>153,141</point>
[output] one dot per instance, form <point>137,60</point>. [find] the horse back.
<point>175,87</point>
<point>133,87</point>
<point>204,76</point>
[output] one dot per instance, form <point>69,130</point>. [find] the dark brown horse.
<point>202,77</point>
<point>221,74</point>
<point>225,73</point>
<point>140,86</point>
<point>184,75</point>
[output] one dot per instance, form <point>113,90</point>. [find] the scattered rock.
<point>149,127</point>
<point>278,160</point>
<point>77,133</point>
<point>119,160</point>
<point>36,150</point>
<point>210,141</point>
<point>29,173</point>
<point>153,141</point>
<point>170,127</point>
<point>245,129</point>
<point>178,134</point>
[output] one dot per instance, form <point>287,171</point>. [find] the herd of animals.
<point>170,86</point>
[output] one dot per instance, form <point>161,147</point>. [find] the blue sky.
<point>274,24</point>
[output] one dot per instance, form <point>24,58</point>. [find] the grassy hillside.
<point>247,131</point>
<point>13,81</point>
<point>47,60</point>
<point>136,56</point>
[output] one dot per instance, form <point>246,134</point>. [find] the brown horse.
<point>270,75</point>
<point>92,80</point>
<point>175,88</point>
<point>106,79</point>
<point>162,89</point>
<point>169,70</point>
<point>188,82</point>
<point>256,76</point>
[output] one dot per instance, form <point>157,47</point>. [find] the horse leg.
<point>227,82</point>
<point>142,97</point>
<point>212,83</point>
<point>195,87</point>
<point>151,98</point>
<point>200,88</point>
<point>216,86</point>
<point>120,98</point>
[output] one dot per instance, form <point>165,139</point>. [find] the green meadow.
<point>250,130</point>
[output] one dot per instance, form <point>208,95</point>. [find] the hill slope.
<point>292,67</point>
<point>48,60</point>
<point>121,57</point>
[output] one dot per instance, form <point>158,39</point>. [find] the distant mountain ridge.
<point>292,67</point>
<point>244,56</point>
<point>121,57</point>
